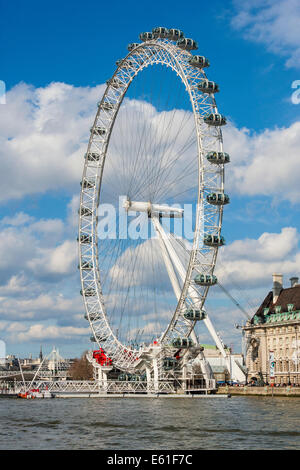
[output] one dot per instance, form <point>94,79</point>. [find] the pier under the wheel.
<point>111,388</point>
<point>159,370</point>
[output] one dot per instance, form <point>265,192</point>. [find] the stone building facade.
<point>273,336</point>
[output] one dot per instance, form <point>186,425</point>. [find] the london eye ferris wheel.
<point>152,198</point>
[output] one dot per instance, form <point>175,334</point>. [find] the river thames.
<point>236,423</point>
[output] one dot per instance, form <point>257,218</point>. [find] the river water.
<point>151,423</point>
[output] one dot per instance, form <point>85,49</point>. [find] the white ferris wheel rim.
<point>171,56</point>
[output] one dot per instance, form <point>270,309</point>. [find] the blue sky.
<point>54,59</point>
<point>78,43</point>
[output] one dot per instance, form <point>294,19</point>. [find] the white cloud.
<point>16,285</point>
<point>44,134</point>
<point>60,260</point>
<point>268,247</point>
<point>251,262</point>
<point>35,247</point>
<point>266,163</point>
<point>43,306</point>
<point>37,263</point>
<point>272,23</point>
<point>40,332</point>
<point>45,151</point>
<point>18,219</point>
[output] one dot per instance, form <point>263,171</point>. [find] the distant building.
<point>218,364</point>
<point>11,362</point>
<point>50,367</point>
<point>273,336</point>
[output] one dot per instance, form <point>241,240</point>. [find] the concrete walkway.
<point>261,391</point>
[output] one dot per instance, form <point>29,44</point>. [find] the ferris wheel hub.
<point>153,210</point>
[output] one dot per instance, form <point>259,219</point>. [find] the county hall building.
<point>272,336</point>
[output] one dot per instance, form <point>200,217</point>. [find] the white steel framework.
<point>78,387</point>
<point>182,265</point>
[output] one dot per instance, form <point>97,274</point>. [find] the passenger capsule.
<point>85,238</point>
<point>207,86</point>
<point>194,314</point>
<point>85,211</point>
<point>205,280</point>
<point>135,378</point>
<point>160,32</point>
<point>169,363</point>
<point>106,106</point>
<point>175,34</point>
<point>93,316</point>
<point>123,377</point>
<point>98,130</point>
<point>218,199</point>
<point>115,83</point>
<point>92,156</point>
<point>214,119</point>
<point>146,36</point>
<point>127,64</point>
<point>182,343</point>
<point>103,338</point>
<point>86,265</point>
<point>88,292</point>
<point>187,44</point>
<point>199,61</point>
<point>132,46</point>
<point>87,184</point>
<point>213,240</point>
<point>218,158</point>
